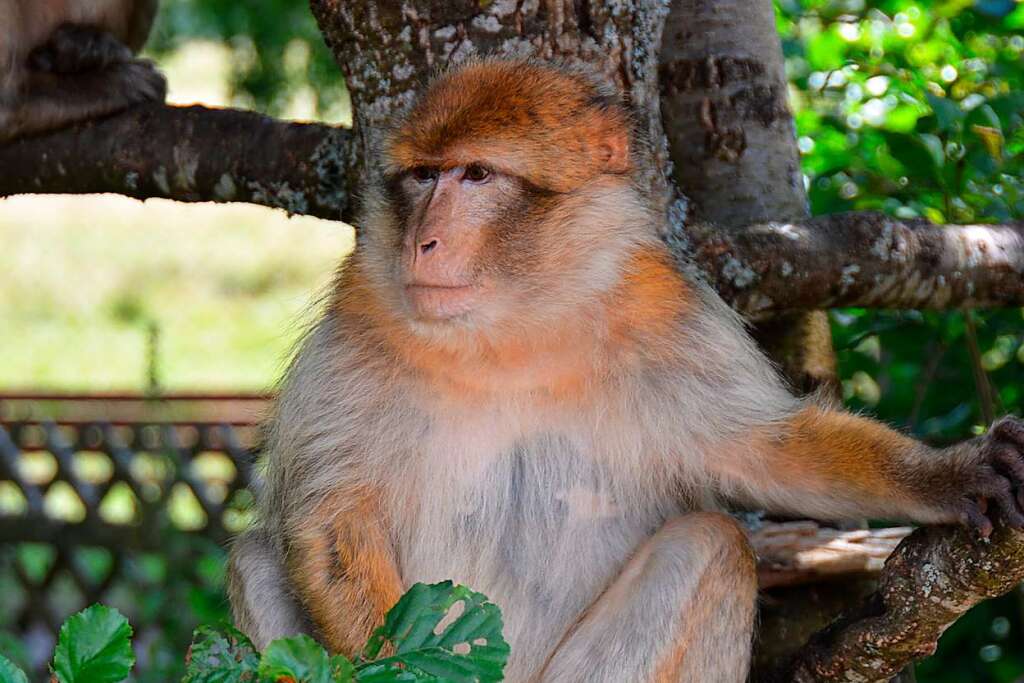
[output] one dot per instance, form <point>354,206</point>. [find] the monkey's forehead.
<point>524,114</point>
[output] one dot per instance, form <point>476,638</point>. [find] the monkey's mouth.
<point>440,302</point>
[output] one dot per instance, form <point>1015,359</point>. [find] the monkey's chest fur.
<point>537,523</point>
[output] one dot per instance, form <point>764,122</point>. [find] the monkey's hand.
<point>989,473</point>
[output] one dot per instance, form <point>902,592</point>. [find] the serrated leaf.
<point>9,673</point>
<point>301,659</point>
<point>438,632</point>
<point>94,647</point>
<point>216,657</point>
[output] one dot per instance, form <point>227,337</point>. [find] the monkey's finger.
<point>971,516</point>
<point>1010,429</point>
<point>999,490</point>
<point>1010,461</point>
<point>1011,511</point>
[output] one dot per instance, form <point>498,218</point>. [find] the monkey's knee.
<point>717,537</point>
<point>682,609</point>
<point>259,591</point>
<point>714,637</point>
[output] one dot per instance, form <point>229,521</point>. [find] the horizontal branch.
<point>199,154</point>
<point>189,154</point>
<point>863,259</point>
<point>932,578</point>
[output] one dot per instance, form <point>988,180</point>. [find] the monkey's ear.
<point>613,153</point>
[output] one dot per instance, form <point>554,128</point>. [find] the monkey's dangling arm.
<point>830,464</point>
<point>343,567</point>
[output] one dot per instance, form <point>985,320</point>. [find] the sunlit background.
<point>904,106</point>
<point>103,293</point>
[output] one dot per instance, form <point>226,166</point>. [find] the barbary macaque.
<point>65,61</point>
<point>515,388</point>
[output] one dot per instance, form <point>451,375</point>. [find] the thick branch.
<point>198,154</point>
<point>795,553</point>
<point>190,154</point>
<point>934,576</point>
<point>863,259</point>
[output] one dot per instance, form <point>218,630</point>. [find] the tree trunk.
<point>388,50</point>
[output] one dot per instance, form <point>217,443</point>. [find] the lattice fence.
<point>130,514</point>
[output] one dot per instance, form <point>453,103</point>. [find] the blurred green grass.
<point>229,288</point>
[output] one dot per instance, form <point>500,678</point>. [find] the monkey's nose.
<point>429,246</point>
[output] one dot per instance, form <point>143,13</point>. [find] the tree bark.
<point>863,259</point>
<point>388,50</point>
<point>191,154</point>
<point>934,577</point>
<point>764,270</point>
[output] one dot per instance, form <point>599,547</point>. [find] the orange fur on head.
<point>554,127</point>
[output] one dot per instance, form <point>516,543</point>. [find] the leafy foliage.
<point>216,657</point>
<point>94,647</point>
<point>10,673</point>
<point>276,47</point>
<point>440,632</point>
<point>437,633</point>
<point>916,108</point>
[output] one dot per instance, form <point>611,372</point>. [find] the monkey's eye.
<point>475,173</point>
<point>424,174</point>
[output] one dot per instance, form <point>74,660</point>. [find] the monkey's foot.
<point>75,49</point>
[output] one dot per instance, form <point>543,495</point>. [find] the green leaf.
<point>9,673</point>
<point>215,657</point>
<point>14,650</point>
<point>902,119</point>
<point>826,51</point>
<point>438,632</point>
<point>302,660</point>
<point>920,154</point>
<point>947,112</point>
<point>1015,19</point>
<point>94,647</point>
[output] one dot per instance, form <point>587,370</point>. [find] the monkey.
<point>514,386</point>
<point>65,61</point>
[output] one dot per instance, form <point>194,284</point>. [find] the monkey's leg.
<point>682,610</point>
<point>261,600</point>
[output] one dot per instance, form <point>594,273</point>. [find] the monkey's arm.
<point>343,567</point>
<point>831,464</point>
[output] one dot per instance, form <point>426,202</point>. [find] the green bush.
<point>438,632</point>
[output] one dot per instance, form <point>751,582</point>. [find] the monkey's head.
<point>508,197</point>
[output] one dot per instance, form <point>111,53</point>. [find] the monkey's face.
<point>507,199</point>
<point>474,245</point>
<point>450,220</point>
